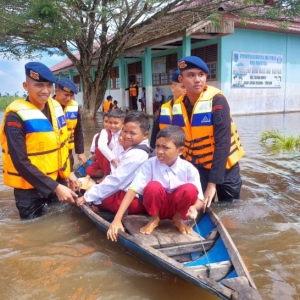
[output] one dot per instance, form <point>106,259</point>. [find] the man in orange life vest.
<point>64,94</point>
<point>107,103</point>
<point>34,140</point>
<point>212,143</point>
<point>133,94</point>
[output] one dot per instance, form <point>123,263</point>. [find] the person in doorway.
<point>34,140</point>
<point>170,186</point>
<point>133,94</point>
<point>164,117</point>
<point>212,142</point>
<point>114,105</point>
<point>107,104</point>
<point>64,94</point>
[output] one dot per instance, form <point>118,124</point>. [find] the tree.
<point>102,29</point>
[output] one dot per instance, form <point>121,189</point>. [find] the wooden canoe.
<point>209,260</point>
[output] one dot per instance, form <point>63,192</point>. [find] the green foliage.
<point>275,141</point>
<point>6,100</point>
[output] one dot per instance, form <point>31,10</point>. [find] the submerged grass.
<point>5,101</point>
<point>276,141</point>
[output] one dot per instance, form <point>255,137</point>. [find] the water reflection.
<point>63,255</point>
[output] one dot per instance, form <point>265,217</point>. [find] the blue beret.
<point>190,62</point>
<point>67,85</point>
<point>175,76</point>
<point>39,72</point>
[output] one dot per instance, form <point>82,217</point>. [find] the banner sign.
<point>256,70</point>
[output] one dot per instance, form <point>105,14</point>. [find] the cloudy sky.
<point>12,73</point>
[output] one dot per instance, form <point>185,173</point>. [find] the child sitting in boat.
<point>135,149</point>
<point>170,186</point>
<point>105,143</point>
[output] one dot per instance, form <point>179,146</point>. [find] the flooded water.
<point>64,256</point>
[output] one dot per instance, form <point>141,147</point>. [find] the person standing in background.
<point>143,99</point>
<point>133,94</point>
<point>157,100</point>
<point>107,103</point>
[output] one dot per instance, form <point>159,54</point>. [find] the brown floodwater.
<point>62,255</point>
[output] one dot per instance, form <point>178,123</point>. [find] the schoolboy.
<point>135,150</point>
<point>107,141</point>
<point>170,186</point>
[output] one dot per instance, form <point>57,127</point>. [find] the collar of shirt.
<point>174,168</point>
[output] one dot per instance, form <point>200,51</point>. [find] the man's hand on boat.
<point>81,157</point>
<point>73,182</point>
<point>112,233</point>
<point>65,194</point>
<point>209,195</point>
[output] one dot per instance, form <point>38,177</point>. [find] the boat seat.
<point>165,235</point>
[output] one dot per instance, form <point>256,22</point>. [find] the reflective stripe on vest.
<point>46,147</point>
<point>200,144</point>
<point>71,114</point>
<point>165,118</point>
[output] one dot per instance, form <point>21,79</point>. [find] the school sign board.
<point>256,70</point>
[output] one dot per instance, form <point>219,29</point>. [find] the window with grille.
<point>209,54</point>
<point>114,78</point>
<point>166,78</point>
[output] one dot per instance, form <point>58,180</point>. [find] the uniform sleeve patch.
<point>13,124</point>
<point>217,107</point>
<point>217,117</point>
<point>13,132</point>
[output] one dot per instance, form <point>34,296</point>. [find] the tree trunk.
<point>93,96</point>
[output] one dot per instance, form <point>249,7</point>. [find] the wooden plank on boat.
<point>187,248</point>
<point>214,271</point>
<point>165,235</point>
<point>242,289</point>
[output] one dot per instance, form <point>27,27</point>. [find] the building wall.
<point>262,100</point>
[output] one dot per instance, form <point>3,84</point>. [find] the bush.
<point>5,101</point>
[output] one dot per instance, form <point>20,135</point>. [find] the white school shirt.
<point>171,178</point>
<point>92,150</point>
<point>105,149</point>
<point>120,177</point>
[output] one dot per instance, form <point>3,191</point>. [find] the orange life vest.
<point>200,142</point>
<point>106,105</point>
<point>133,90</point>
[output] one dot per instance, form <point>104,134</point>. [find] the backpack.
<point>109,134</point>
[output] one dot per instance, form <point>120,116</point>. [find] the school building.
<point>256,65</point>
